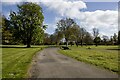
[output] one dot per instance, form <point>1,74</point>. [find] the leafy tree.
<point>88,38</point>
<point>82,35</point>
<point>28,23</point>
<point>115,38</point>
<point>6,32</point>
<point>105,39</point>
<point>97,40</point>
<point>46,40</point>
<point>119,37</point>
<point>111,40</point>
<point>64,27</point>
<point>58,36</point>
<point>0,28</point>
<point>75,36</point>
<point>95,34</point>
<point>52,39</point>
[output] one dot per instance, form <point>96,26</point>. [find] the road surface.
<point>51,64</point>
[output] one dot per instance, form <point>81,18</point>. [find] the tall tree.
<point>119,37</point>
<point>111,40</point>
<point>115,38</point>
<point>28,23</point>
<point>6,32</point>
<point>97,40</point>
<point>46,40</point>
<point>64,26</point>
<point>75,34</point>
<point>58,36</point>
<point>82,35</point>
<point>95,32</point>
<point>0,28</point>
<point>96,37</point>
<point>88,38</point>
<point>105,39</point>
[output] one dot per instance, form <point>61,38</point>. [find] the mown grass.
<point>16,60</point>
<point>102,56</point>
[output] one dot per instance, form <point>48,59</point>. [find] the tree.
<point>119,37</point>
<point>97,40</point>
<point>64,26</point>
<point>75,34</point>
<point>46,40</point>
<point>105,39</point>
<point>0,28</point>
<point>111,40</point>
<point>28,23</point>
<point>6,32</point>
<point>95,34</point>
<point>82,35</point>
<point>58,36</point>
<point>88,38</point>
<point>115,38</point>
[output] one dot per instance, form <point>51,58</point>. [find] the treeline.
<point>68,32</point>
<point>26,27</point>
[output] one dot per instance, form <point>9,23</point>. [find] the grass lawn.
<point>102,56</point>
<point>16,60</point>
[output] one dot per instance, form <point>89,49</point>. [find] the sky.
<point>88,15</point>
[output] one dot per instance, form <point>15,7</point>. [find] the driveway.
<point>48,63</point>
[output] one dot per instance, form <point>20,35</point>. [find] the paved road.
<point>51,64</point>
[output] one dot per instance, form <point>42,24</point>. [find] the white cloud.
<point>101,0</point>
<point>50,28</point>
<point>65,7</point>
<point>12,2</point>
<point>106,21</point>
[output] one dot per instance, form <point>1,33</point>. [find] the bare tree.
<point>105,39</point>
<point>96,37</point>
<point>95,32</point>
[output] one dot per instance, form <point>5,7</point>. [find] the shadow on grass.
<point>18,47</point>
<point>25,46</point>
<point>12,47</point>
<point>113,49</point>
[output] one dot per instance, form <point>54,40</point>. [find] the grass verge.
<point>102,56</point>
<point>16,60</point>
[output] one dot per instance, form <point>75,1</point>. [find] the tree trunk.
<point>28,44</point>
<point>76,43</point>
<point>29,38</point>
<point>66,43</point>
<point>81,43</point>
<point>96,44</point>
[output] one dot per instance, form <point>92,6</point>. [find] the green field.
<point>16,60</point>
<point>102,56</point>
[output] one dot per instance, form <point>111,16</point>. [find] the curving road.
<point>51,64</point>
